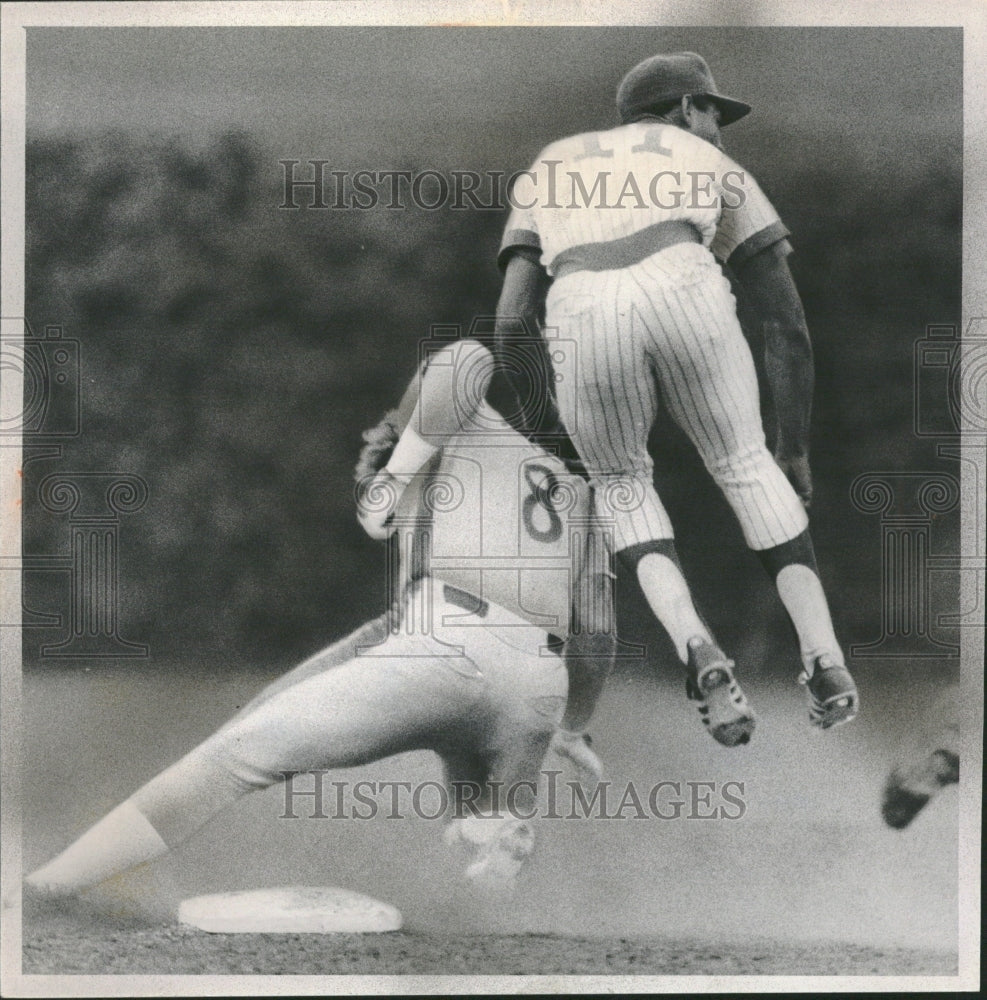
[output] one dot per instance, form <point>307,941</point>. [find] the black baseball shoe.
<point>909,788</point>
<point>832,694</point>
<point>722,706</point>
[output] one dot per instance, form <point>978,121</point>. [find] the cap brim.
<point>730,110</point>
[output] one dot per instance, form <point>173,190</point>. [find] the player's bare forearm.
<point>789,369</point>
<point>521,388</point>
<point>522,299</point>
<point>787,355</point>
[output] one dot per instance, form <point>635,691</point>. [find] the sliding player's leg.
<point>363,710</point>
<point>525,700</point>
<point>359,642</point>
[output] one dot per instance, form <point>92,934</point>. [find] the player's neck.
<point>649,118</point>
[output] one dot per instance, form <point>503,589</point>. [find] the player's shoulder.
<point>575,145</point>
<point>695,146</point>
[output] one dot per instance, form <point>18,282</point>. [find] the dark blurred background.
<point>232,351</point>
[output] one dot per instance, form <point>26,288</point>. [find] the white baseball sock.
<point>802,594</point>
<point>668,594</point>
<point>119,841</point>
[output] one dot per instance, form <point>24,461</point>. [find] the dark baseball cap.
<point>666,78</point>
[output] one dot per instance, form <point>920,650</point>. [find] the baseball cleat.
<point>722,706</point>
<point>499,848</point>
<point>908,789</point>
<point>832,694</point>
<point>500,861</point>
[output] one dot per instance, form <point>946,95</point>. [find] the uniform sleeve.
<point>748,221</point>
<point>520,236</point>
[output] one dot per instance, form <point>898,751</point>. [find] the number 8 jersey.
<point>523,552</point>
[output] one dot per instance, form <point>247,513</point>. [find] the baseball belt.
<point>481,608</point>
<point>626,251</point>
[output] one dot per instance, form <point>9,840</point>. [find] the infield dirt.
<point>807,881</point>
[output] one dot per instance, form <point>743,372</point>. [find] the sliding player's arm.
<point>443,401</point>
<point>379,441</point>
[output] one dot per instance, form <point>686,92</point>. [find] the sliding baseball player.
<point>496,537</point>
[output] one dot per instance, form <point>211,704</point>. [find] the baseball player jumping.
<point>496,538</point>
<point>617,235</point>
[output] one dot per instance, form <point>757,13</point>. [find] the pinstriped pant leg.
<point>709,385</point>
<point>611,404</point>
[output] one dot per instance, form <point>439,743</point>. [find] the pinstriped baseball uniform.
<point>649,325</point>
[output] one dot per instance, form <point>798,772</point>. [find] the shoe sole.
<point>726,714</point>
<point>900,805</point>
<point>835,713</point>
<point>734,734</point>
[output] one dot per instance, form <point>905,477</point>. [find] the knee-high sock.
<point>668,595</point>
<point>792,565</point>
<point>122,839</point>
<point>801,591</point>
<point>157,817</point>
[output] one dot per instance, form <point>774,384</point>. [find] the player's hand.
<point>377,500</point>
<point>576,748</point>
<point>796,468</point>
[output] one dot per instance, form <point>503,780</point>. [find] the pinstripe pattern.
<point>668,323</point>
<point>666,326</point>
